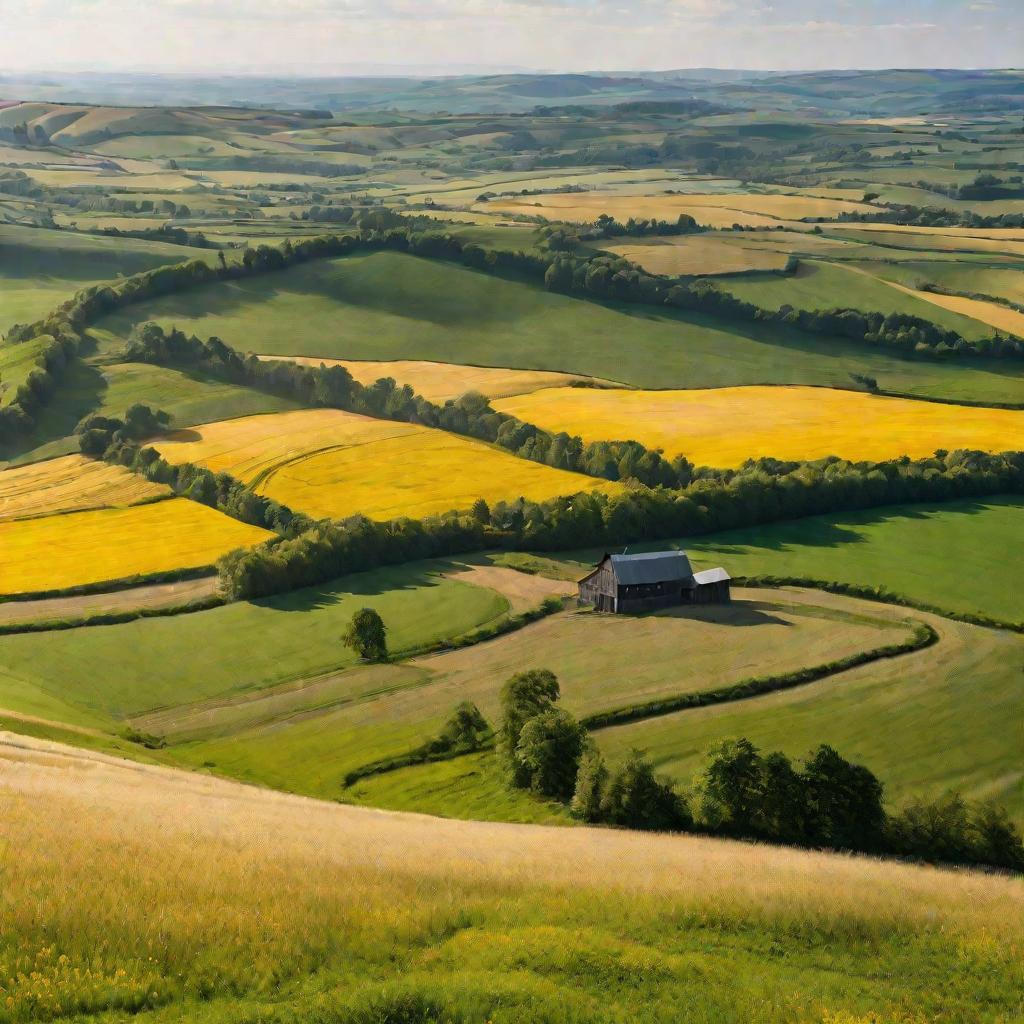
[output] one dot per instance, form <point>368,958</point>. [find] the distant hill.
<point>834,93</point>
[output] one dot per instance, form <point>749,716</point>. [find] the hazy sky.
<point>339,36</point>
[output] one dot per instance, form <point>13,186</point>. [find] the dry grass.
<point>330,463</point>
<point>724,426</point>
<point>69,484</point>
<point>154,595</point>
<point>55,552</point>
<point>172,887</point>
<point>992,313</point>
<point>522,590</point>
<point>440,381</point>
<point>697,255</point>
<point>713,210</point>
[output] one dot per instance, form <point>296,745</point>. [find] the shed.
<point>651,580</point>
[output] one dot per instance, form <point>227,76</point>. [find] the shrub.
<point>634,798</point>
<point>548,753</point>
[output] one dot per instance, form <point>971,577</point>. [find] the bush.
<point>523,696</point>
<point>548,753</point>
<point>591,781</point>
<point>634,798</point>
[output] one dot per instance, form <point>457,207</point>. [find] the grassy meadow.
<point>307,738</point>
<point>278,909</point>
<point>395,306</point>
<point>330,463</point>
<point>725,426</point>
<point>83,548</point>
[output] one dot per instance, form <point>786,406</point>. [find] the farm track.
<point>156,595</point>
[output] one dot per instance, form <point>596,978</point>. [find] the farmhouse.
<point>658,579</point>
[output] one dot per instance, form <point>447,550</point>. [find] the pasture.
<point>71,484</point>
<point>330,463</point>
<point>135,668</point>
<point>305,740</point>
<point>84,548</point>
<point>394,306</point>
<point>726,426</point>
<point>500,922</point>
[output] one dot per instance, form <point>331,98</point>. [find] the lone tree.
<point>367,635</point>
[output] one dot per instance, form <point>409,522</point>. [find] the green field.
<point>305,740</point>
<point>124,670</point>
<point>953,556</point>
<point>818,285</point>
<point>40,267</point>
<point>391,306</point>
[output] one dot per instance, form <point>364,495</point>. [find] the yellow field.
<point>723,426</point>
<point>1003,318</point>
<point>697,255</point>
<point>81,548</point>
<point>71,483</point>
<point>329,463</point>
<point>440,381</point>
<point>714,210</point>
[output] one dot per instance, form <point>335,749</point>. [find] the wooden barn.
<point>644,582</point>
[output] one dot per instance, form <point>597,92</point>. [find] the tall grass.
<point>133,888</point>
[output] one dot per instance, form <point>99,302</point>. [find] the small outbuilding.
<point>656,579</point>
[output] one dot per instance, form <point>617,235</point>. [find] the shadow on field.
<point>363,584</point>
<point>738,613</point>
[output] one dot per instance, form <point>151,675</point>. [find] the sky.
<point>321,37</point>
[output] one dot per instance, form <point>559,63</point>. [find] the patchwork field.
<point>393,306</point>
<point>109,673</point>
<point>698,255</point>
<point>589,922</point>
<point>933,721</point>
<point>439,382</point>
<point>115,543</point>
<point>329,463</point>
<point>71,484</point>
<point>716,210</point>
<point>726,426</point>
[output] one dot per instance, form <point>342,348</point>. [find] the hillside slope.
<point>276,908</point>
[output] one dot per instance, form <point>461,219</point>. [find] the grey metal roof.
<point>651,567</point>
<point>718,575</point>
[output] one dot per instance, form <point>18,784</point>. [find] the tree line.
<point>825,801</point>
<point>761,491</point>
<point>470,415</point>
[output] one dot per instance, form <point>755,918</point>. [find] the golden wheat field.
<point>440,381</point>
<point>724,426</point>
<point>71,483</point>
<point>713,210</point>
<point>996,315</point>
<point>702,255</point>
<point>56,552</point>
<point>329,463</point>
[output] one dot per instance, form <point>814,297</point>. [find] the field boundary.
<point>879,594</point>
<point>110,586</point>
<point>922,635</point>
<point>111,618</point>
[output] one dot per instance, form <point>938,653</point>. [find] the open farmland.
<point>715,210</point>
<point>592,922</point>
<point>306,740</point>
<point>726,426</point>
<point>394,306</point>
<point>700,255</point>
<point>135,668</point>
<point>439,382</point>
<point>71,484</point>
<point>84,548</point>
<point>947,717</point>
<point>330,463</point>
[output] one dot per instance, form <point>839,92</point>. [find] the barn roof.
<point>651,567</point>
<point>718,575</point>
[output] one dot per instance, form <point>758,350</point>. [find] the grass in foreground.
<point>330,463</point>
<point>182,897</point>
<point>58,552</point>
<point>725,426</point>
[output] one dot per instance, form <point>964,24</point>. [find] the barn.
<point>656,579</point>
